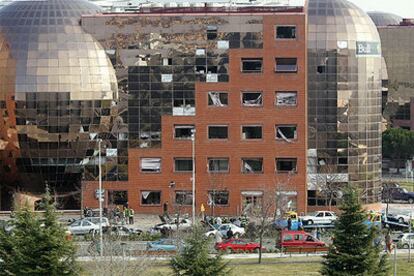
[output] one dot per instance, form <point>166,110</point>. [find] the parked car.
<point>237,245</point>
<point>406,241</point>
<point>319,217</point>
<point>400,217</point>
<point>95,220</point>
<point>82,227</point>
<point>162,245</point>
<point>121,230</point>
<point>299,239</point>
<point>185,224</point>
<point>223,228</point>
<point>397,194</point>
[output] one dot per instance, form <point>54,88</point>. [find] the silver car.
<point>82,227</point>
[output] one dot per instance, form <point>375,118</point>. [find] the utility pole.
<point>193,133</point>
<point>100,198</point>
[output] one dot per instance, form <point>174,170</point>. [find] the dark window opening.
<point>211,32</point>
<point>183,165</point>
<point>286,98</point>
<point>217,98</point>
<point>253,165</point>
<point>286,165</point>
<point>200,69</point>
<point>218,197</point>
<point>151,197</point>
<point>218,165</point>
<point>252,65</point>
<point>212,69</point>
<point>217,132</point>
<point>183,131</point>
<point>183,197</point>
<point>167,61</point>
<point>286,32</point>
<point>343,160</point>
<point>286,65</point>
<point>117,197</point>
<point>252,132</point>
<point>286,132</point>
<point>252,99</point>
<point>321,69</point>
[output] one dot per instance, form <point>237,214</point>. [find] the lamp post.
<point>193,132</point>
<point>100,198</point>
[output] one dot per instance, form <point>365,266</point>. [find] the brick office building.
<point>237,76</point>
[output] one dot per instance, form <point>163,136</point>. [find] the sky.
<point>403,8</point>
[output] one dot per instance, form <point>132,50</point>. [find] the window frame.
<point>286,71</point>
<point>150,191</point>
<point>288,25</point>
<point>295,138</point>
<point>251,92</point>
<point>295,171</point>
<point>222,192</point>
<point>251,139</point>
<point>217,106</point>
<point>178,126</point>
<point>208,132</point>
<point>218,158</point>
<point>285,105</point>
<point>186,192</point>
<point>242,60</point>
<point>182,159</point>
<point>150,172</point>
<point>253,172</point>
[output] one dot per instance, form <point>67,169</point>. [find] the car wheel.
<point>410,201</point>
<point>309,222</point>
<point>405,246</point>
<point>229,250</point>
<point>401,220</point>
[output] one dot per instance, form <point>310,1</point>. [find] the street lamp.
<point>193,132</point>
<point>100,197</point>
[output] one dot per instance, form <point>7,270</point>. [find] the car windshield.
<point>312,214</point>
<point>404,190</point>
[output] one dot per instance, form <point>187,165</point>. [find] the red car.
<point>299,239</point>
<point>237,245</point>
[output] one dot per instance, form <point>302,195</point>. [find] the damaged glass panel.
<point>184,107</point>
<point>286,132</point>
<point>211,32</point>
<point>217,98</point>
<point>286,98</point>
<point>218,197</point>
<point>252,165</point>
<point>286,65</point>
<point>117,197</point>
<point>217,132</point>
<point>183,132</point>
<point>218,164</point>
<point>286,32</point>
<point>150,197</point>
<point>252,99</point>
<point>183,197</point>
<point>151,165</point>
<point>183,164</point>
<point>284,165</point>
<point>251,132</point>
<point>252,65</point>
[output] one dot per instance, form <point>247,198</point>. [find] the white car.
<point>405,240</point>
<point>95,220</point>
<point>403,218</point>
<point>82,227</point>
<point>319,217</point>
<point>223,228</point>
<point>184,225</point>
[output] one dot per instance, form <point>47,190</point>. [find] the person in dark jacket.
<point>230,233</point>
<point>289,223</point>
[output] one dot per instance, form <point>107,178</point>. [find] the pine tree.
<point>353,251</point>
<point>37,245</point>
<point>195,260</point>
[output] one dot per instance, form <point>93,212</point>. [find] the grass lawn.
<point>285,266</point>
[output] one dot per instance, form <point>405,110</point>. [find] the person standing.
<point>126,214</point>
<point>230,233</point>
<point>165,210</point>
<point>289,223</point>
<point>131,216</point>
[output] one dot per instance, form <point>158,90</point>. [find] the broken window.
<point>251,132</point>
<point>252,99</point>
<point>284,165</point>
<point>218,164</point>
<point>286,132</point>
<point>184,107</point>
<point>183,164</point>
<point>286,98</point>
<point>211,32</point>
<point>167,61</point>
<point>286,32</point>
<point>183,131</point>
<point>252,65</point>
<point>286,65</point>
<point>150,197</point>
<point>217,132</point>
<point>217,98</point>
<point>212,77</point>
<point>183,197</point>
<point>218,198</point>
<point>152,165</point>
<point>117,197</point>
<point>252,165</point>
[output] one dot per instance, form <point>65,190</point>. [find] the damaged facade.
<point>236,77</point>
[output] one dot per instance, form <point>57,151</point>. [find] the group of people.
<point>118,215</point>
